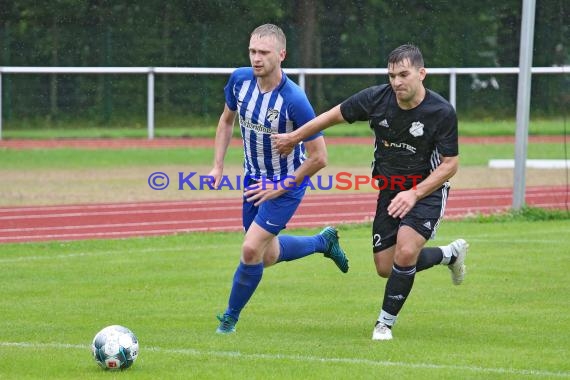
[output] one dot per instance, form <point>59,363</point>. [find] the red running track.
<point>107,221</point>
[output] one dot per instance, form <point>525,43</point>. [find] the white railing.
<point>301,73</point>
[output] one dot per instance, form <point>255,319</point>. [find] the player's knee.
<point>250,254</point>
<point>406,256</point>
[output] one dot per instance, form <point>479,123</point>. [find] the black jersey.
<point>408,142</point>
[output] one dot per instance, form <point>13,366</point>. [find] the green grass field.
<point>206,127</point>
<point>339,155</point>
<point>509,320</point>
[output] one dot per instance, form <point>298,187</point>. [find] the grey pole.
<point>0,105</point>
<point>523,102</point>
<point>453,88</point>
<point>150,104</point>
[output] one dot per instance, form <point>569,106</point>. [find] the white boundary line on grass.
<point>300,358</point>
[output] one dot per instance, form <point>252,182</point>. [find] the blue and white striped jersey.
<point>282,110</point>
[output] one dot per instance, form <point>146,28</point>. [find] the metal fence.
<point>150,72</point>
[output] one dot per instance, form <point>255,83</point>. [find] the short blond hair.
<point>270,30</point>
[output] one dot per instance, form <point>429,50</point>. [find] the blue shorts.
<point>273,214</point>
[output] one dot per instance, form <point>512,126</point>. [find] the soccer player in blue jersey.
<point>416,136</point>
<point>266,102</point>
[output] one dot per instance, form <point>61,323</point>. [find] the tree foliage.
<point>215,33</point>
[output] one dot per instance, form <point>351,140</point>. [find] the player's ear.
<point>282,55</point>
<point>423,73</point>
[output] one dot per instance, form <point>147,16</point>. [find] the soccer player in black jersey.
<point>415,154</point>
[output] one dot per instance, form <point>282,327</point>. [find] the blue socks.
<point>246,279</point>
<point>296,247</point>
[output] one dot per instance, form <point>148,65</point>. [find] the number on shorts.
<point>376,240</point>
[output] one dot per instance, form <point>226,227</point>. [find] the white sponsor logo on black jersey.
<point>403,145</point>
<point>417,129</point>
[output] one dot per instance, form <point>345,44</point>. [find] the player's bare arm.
<point>405,200</point>
<point>316,160</point>
<point>223,138</point>
<point>285,142</point>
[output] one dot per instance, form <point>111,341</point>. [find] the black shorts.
<point>424,218</point>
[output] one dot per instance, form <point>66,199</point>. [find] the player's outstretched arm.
<point>221,143</point>
<point>285,142</point>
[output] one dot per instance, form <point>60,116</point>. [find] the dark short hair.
<point>409,52</point>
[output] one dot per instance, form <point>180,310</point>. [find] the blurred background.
<point>321,34</point>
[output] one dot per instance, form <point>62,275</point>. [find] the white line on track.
<point>303,358</point>
<point>313,200</point>
<point>216,222</point>
<point>183,209</point>
<point>25,224</point>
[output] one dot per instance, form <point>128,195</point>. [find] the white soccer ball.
<point>115,347</point>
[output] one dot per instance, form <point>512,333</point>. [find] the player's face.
<point>266,55</point>
<point>406,81</point>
